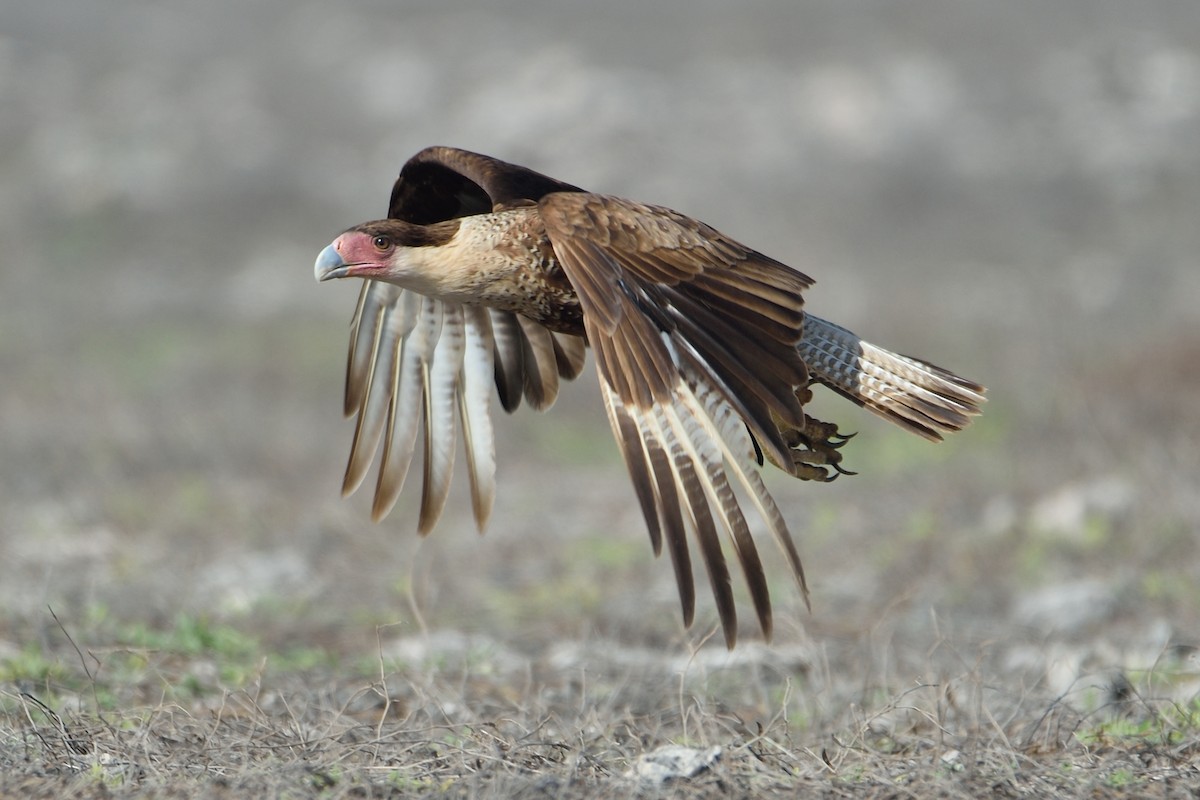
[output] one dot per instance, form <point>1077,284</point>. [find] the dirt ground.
<point>189,609</point>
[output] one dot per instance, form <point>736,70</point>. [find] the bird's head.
<point>388,250</point>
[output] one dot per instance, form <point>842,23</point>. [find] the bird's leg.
<point>815,450</point>
<point>813,447</point>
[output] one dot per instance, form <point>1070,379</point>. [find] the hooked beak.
<point>330,264</point>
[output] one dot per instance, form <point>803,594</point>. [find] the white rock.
<point>673,762</point>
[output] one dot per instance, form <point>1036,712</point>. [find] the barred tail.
<point>912,393</point>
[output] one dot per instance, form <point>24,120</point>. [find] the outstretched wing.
<point>695,339</point>
<point>419,363</point>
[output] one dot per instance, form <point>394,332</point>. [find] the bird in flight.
<point>487,273</point>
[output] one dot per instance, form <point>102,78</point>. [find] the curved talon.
<point>815,447</point>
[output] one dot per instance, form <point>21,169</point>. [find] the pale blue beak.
<point>330,265</point>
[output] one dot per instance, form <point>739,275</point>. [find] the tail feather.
<point>914,394</point>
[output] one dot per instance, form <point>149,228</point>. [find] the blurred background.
<point>1008,189</point>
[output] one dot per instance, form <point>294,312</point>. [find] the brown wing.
<point>695,339</point>
<point>416,363</point>
<point>441,183</point>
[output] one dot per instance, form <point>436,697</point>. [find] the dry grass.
<point>202,710</point>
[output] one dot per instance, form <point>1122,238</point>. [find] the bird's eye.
<point>382,243</point>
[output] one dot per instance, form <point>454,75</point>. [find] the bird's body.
<point>486,271</point>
